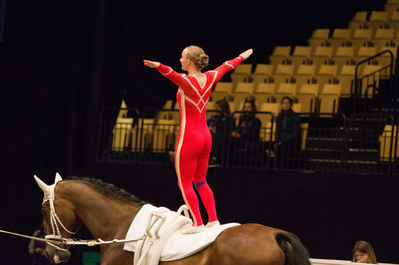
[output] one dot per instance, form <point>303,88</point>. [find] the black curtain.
<point>63,63</point>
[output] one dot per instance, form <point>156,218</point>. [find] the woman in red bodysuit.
<point>194,142</point>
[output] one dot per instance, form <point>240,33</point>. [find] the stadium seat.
<point>241,73</point>
<point>382,37</point>
<point>262,71</point>
<point>280,53</point>
<point>326,73</point>
<point>305,73</point>
<point>329,98</point>
<point>300,55</point>
<point>319,37</point>
<point>358,21</point>
<point>365,52</point>
<point>221,90</point>
<point>321,55</point>
<point>283,73</point>
<point>242,91</point>
<point>391,6</point>
<point>387,143</point>
<point>343,55</point>
<point>339,37</point>
<point>264,92</point>
<point>360,37</point>
<point>285,89</point>
<point>346,76</point>
<point>307,97</point>
<point>377,19</point>
<point>385,59</point>
<point>393,20</point>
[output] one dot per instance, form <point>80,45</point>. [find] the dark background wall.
<point>63,63</point>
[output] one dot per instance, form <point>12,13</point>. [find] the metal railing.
<point>331,142</point>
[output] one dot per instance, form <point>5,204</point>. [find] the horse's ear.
<point>43,186</point>
<point>57,177</point>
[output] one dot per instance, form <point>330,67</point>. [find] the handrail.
<point>356,93</point>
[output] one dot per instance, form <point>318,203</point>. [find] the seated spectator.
<point>246,135</point>
<point>37,249</point>
<point>363,252</point>
<point>220,126</point>
<point>288,132</point>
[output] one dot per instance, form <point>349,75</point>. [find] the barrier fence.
<point>328,142</point>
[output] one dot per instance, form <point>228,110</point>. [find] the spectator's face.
<point>286,105</point>
<point>361,257</point>
<point>248,107</point>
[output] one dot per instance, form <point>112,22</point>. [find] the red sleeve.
<point>171,74</point>
<point>227,67</point>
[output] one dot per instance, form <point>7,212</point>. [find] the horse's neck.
<point>104,216</point>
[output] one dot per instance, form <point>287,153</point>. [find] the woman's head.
<point>194,56</point>
<point>223,106</point>
<point>363,252</point>
<point>249,107</point>
<point>286,103</point>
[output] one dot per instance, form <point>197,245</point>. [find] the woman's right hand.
<point>151,64</point>
<point>246,54</point>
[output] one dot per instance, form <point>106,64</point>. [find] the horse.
<point>108,211</point>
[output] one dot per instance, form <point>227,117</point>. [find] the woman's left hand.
<point>151,64</point>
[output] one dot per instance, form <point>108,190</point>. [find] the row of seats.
<point>326,54</point>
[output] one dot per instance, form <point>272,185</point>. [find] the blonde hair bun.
<point>197,56</point>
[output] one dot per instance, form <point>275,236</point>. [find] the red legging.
<point>191,162</point>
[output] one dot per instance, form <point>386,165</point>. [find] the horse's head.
<point>60,219</point>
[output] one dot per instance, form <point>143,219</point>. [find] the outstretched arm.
<point>166,71</point>
<point>231,64</point>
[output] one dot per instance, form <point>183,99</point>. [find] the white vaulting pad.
<point>179,245</point>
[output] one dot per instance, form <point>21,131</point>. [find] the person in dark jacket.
<point>37,249</point>
<point>288,132</point>
<point>220,126</point>
<point>246,135</point>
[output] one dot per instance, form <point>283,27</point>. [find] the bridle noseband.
<point>55,220</point>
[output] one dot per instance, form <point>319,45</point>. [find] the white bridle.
<point>49,196</point>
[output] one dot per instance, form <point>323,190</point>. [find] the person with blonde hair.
<point>194,142</point>
<point>363,252</point>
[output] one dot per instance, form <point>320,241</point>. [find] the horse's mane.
<point>110,188</point>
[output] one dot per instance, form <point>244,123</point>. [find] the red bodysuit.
<point>194,142</point>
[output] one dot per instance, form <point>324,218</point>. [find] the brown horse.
<point>108,211</point>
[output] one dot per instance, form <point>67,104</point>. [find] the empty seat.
<point>221,90</point>
<point>265,92</point>
<point>360,37</point>
<point>307,96</point>
<point>343,55</point>
<point>262,71</point>
<point>241,73</point>
<point>393,20</point>
<point>300,55</point>
<point>285,89</point>
<point>339,37</point>
<point>270,107</point>
<point>385,58</point>
<point>369,75</point>
<point>165,135</point>
<point>358,21</point>
<point>121,133</point>
<point>242,91</point>
<point>346,78</point>
<point>391,7</point>
<point>319,37</point>
<point>326,73</point>
<point>283,72</point>
<point>382,37</point>
<point>305,73</point>
<point>329,98</point>
<point>279,54</point>
<point>365,52</point>
<point>377,19</point>
<point>387,143</point>
<point>321,55</point>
